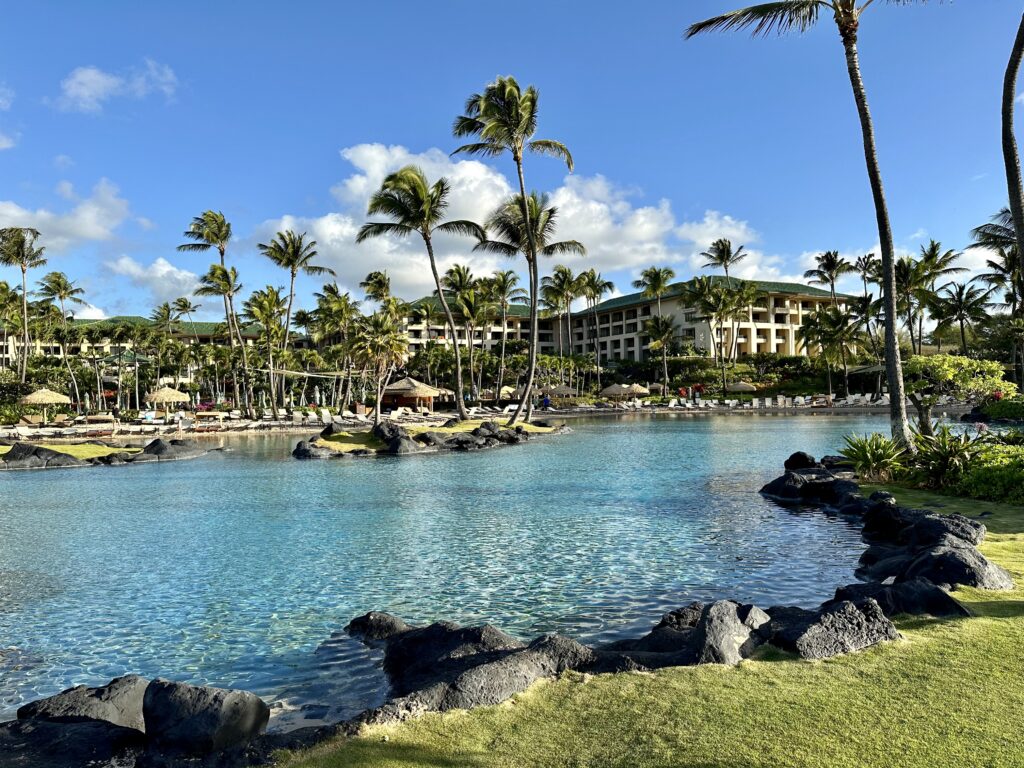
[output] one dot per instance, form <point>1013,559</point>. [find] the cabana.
<point>409,392</point>
<point>45,397</point>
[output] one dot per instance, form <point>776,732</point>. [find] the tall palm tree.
<point>267,308</point>
<point>376,284</point>
<point>504,119</point>
<point>503,289</point>
<point>379,345</point>
<point>18,249</point>
<point>934,264</point>
<point>223,281</point>
<point>829,267</point>
<point>784,16</point>
<point>527,227</point>
<point>1011,157</point>
<point>55,287</point>
<point>964,304</point>
<point>717,305</point>
<point>661,331</point>
<point>839,329</point>
<point>562,287</point>
<point>721,256</point>
<point>10,308</point>
<point>292,252</point>
<point>209,230</point>
<point>414,206</point>
<point>813,335</point>
<point>655,282</point>
<point>184,307</point>
<point>594,287</point>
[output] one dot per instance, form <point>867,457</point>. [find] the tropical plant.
<point>561,287</point>
<point>661,331</point>
<point>1011,156</point>
<point>875,457</point>
<point>829,267</point>
<point>594,286</point>
<point>943,456</point>
<point>721,256</point>
<point>503,289</point>
<point>18,249</point>
<point>184,307</point>
<point>782,16</point>
<point>416,206</point>
<point>223,281</point>
<point>379,345</point>
<point>963,304</point>
<point>292,252</point>
<point>932,377</point>
<point>527,227</point>
<point>655,282</point>
<point>503,117</point>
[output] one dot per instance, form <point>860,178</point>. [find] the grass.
<point>346,442</point>
<point>950,693</point>
<point>80,450</point>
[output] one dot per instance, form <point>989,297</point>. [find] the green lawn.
<point>80,451</point>
<point>951,693</point>
<point>345,442</point>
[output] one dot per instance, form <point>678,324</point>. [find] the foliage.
<point>928,378</point>
<point>995,474</point>
<point>875,457</point>
<point>942,458</point>
<point>1011,409</point>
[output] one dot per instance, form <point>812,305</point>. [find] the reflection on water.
<point>233,569</point>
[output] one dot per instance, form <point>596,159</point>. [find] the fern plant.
<point>944,457</point>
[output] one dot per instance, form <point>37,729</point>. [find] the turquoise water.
<point>232,569</point>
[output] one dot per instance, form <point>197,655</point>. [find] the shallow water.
<point>233,569</point>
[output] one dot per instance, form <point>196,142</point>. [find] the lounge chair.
<point>297,419</point>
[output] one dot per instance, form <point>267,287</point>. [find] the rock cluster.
<point>32,456</point>
<point>398,442</point>
<point>134,722</point>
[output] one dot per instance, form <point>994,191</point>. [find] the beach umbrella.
<point>615,390</point>
<point>562,390</point>
<point>167,395</point>
<point>657,387</point>
<point>741,386</point>
<point>637,389</point>
<point>45,397</point>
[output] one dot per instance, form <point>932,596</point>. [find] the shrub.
<point>995,474</point>
<point>875,457</point>
<point>1012,410</point>
<point>944,457</point>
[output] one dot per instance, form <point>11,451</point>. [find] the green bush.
<point>943,458</point>
<point>995,474</point>
<point>1012,410</point>
<point>875,457</point>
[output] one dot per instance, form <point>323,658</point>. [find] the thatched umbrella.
<point>45,397</point>
<point>167,395</point>
<point>741,387</point>
<point>562,390</point>
<point>615,390</point>
<point>637,389</point>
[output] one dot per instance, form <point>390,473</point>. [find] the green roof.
<point>514,310</point>
<point>184,327</point>
<point>677,289</point>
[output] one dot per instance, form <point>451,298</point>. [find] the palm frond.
<point>765,19</point>
<point>554,149</point>
<point>380,228</point>
<point>462,227</point>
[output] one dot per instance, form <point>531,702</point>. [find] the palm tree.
<point>561,287</point>
<point>10,308</point>
<point>784,16</point>
<point>379,345</point>
<point>504,119</point>
<point>655,282</point>
<point>964,304</point>
<point>717,305</point>
<point>184,307</point>
<point>18,249</point>
<point>210,229</point>
<point>292,252</point>
<point>527,227</point>
<point>55,287</point>
<point>812,334</point>
<point>376,284</point>
<point>1011,157</point>
<point>839,334</point>
<point>502,287</point>
<point>223,281</point>
<point>830,267</point>
<point>416,206</point>
<point>934,265</point>
<point>661,331</point>
<point>868,268</point>
<point>721,256</point>
<point>594,287</point>
<point>266,308</point>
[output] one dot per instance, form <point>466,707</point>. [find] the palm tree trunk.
<point>526,401</point>
<point>893,365</point>
<point>460,402</point>
<point>963,337</point>
<point>1011,157</point>
<point>501,362</point>
<point>24,324</point>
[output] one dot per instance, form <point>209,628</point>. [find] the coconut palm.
<point>661,331</point>
<point>829,267</point>
<point>379,345</point>
<point>813,335</point>
<point>839,329</point>
<point>935,264</point>
<point>594,287</point>
<point>527,227</point>
<point>561,287</point>
<point>782,16</point>
<point>18,249</point>
<point>223,281</point>
<point>56,287</point>
<point>210,229</point>
<point>504,119</point>
<point>717,305</point>
<point>503,289</point>
<point>184,307</point>
<point>10,309</point>
<point>266,309</point>
<point>414,206</point>
<point>655,282</point>
<point>721,256</point>
<point>292,252</point>
<point>1011,157</point>
<point>965,304</point>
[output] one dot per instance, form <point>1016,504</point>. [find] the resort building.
<point>770,326</point>
<point>487,337</point>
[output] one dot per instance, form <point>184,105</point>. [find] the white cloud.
<point>161,279</point>
<point>87,89</point>
<point>63,162</point>
<point>90,312</point>
<point>716,225</point>
<point>65,189</point>
<point>92,219</point>
<point>6,142</point>
<point>6,97</point>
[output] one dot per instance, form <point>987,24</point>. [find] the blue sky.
<point>131,118</point>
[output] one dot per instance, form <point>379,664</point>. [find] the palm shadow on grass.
<point>364,753</point>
